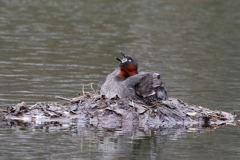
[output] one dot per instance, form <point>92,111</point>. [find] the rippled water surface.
<point>51,48</point>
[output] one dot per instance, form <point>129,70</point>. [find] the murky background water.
<point>50,48</point>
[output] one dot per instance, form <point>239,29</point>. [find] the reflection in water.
<point>90,142</point>
<point>52,47</point>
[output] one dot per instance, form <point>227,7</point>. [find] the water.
<point>51,48</point>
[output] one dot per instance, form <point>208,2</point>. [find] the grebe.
<point>127,82</point>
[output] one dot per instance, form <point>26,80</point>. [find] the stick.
<point>62,98</point>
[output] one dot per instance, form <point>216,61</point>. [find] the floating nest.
<point>96,110</point>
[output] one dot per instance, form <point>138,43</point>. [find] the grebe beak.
<point>122,54</point>
<point>124,57</point>
<point>119,59</point>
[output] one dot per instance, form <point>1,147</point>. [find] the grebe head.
<point>128,66</point>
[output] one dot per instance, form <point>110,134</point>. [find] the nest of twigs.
<point>95,109</point>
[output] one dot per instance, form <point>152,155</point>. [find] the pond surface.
<point>51,48</point>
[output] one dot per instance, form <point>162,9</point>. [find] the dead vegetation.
<point>95,109</point>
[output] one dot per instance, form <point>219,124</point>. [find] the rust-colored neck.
<point>127,71</point>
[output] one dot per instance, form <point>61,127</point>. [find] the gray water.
<point>51,48</point>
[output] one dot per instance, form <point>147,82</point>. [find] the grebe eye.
<point>130,60</point>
